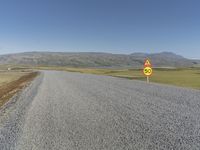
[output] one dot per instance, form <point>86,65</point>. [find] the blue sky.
<point>116,26</point>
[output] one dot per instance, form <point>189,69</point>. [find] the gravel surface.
<point>62,110</point>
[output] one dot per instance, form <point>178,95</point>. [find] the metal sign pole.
<point>147,79</point>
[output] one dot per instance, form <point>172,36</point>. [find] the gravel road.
<point>73,111</point>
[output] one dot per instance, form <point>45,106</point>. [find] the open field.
<point>7,77</point>
<point>180,77</point>
<point>11,82</point>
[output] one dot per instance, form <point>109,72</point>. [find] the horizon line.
<point>136,52</point>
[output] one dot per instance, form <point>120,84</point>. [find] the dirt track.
<point>62,110</point>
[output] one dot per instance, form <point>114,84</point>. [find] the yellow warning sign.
<point>147,71</point>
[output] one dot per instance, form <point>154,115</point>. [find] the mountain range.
<point>94,59</point>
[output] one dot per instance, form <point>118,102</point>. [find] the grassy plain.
<point>7,77</point>
<point>185,77</point>
<point>12,81</point>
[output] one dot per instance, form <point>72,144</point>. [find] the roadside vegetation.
<point>13,81</point>
<point>184,77</point>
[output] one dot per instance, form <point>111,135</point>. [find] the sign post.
<point>147,70</point>
<point>147,79</point>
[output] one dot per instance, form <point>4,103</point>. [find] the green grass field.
<point>189,77</point>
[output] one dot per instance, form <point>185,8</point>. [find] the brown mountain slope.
<point>87,59</point>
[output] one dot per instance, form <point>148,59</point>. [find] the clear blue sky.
<point>117,26</point>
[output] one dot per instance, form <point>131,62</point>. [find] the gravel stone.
<point>63,110</point>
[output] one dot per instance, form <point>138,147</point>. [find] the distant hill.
<point>90,59</point>
<point>196,62</point>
